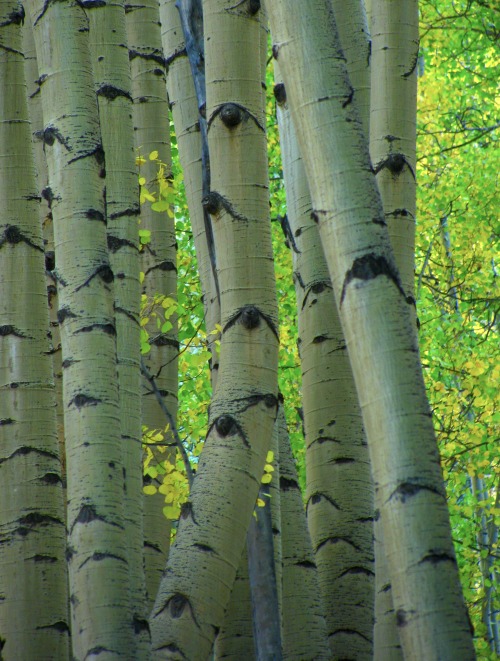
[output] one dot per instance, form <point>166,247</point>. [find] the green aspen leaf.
<point>171,511</point>
<point>161,205</point>
<point>149,490</point>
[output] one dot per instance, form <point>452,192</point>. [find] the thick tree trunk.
<point>196,588</point>
<point>98,562</point>
<point>392,148</point>
<point>376,317</point>
<point>34,616</point>
<point>108,38</point>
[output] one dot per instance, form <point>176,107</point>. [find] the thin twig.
<point>171,422</point>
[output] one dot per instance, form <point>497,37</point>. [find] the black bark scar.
<point>241,312</point>
<point>368,267</point>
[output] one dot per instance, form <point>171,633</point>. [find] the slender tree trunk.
<point>45,214</point>
<point>376,317</point>
<point>202,566</point>
<point>235,640</point>
<point>304,627</point>
<point>108,38</point>
<point>339,492</point>
<point>34,617</point>
<point>151,133</point>
<point>97,556</point>
<point>186,99</point>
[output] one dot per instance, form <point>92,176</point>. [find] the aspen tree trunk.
<point>339,492</point>
<point>151,133</point>
<point>34,617</point>
<point>201,571</point>
<point>304,627</point>
<point>45,214</point>
<point>112,81</point>
<point>394,55</point>
<point>186,116</point>
<point>376,317</point>
<point>235,639</point>
<point>354,35</point>
<point>97,555</point>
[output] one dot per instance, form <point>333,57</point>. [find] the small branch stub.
<point>224,425</point>
<point>280,94</point>
<point>211,203</point>
<point>231,115</point>
<point>253,7</point>
<point>250,317</point>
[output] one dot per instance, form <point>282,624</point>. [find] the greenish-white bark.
<point>392,147</point>
<point>187,119</point>
<point>97,553</point>
<point>376,317</point>
<point>339,491</point>
<point>109,52</point>
<point>45,214</point>
<point>158,257</point>
<point>34,616</point>
<point>202,565</point>
<point>304,626</point>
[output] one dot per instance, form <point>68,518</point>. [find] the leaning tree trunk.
<point>202,565</point>
<point>339,491</point>
<point>97,556</point>
<point>34,617</point>
<point>394,54</point>
<point>376,317</point>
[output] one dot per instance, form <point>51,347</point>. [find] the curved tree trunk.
<point>202,565</point>
<point>376,317</point>
<point>34,617</point>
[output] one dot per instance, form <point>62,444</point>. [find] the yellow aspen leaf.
<point>268,468</point>
<point>270,457</point>
<point>149,490</point>
<point>260,502</point>
<point>153,155</point>
<point>266,478</point>
<point>140,160</point>
<point>142,180</point>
